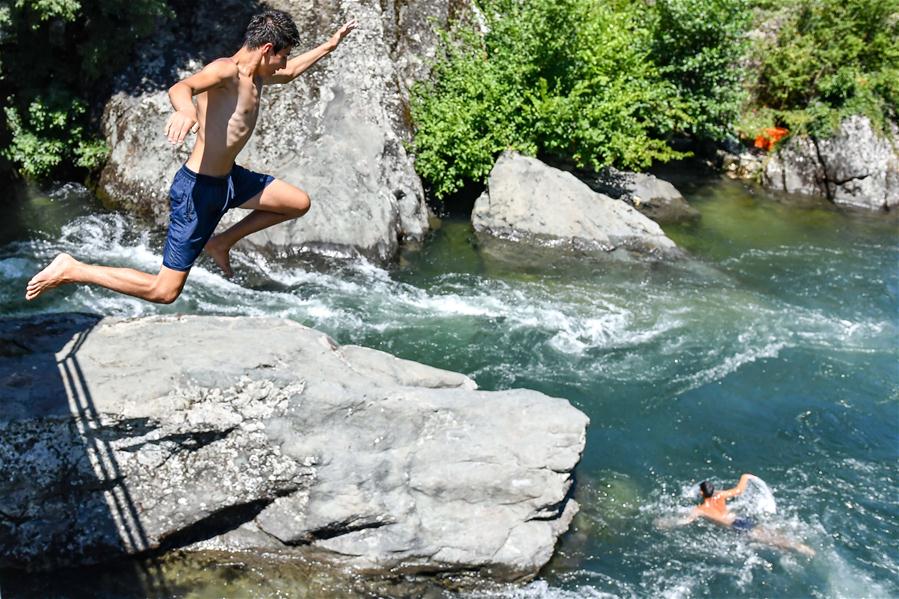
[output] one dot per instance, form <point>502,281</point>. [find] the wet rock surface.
<point>337,132</point>
<point>529,201</point>
<point>133,437</point>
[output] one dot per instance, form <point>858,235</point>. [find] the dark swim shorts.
<point>198,202</point>
<point>742,524</point>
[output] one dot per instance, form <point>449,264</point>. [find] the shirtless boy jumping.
<point>210,183</point>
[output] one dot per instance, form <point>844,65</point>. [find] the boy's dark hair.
<point>274,27</point>
<point>707,488</point>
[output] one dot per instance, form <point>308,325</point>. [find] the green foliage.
<point>44,10</point>
<point>34,155</point>
<point>566,79</point>
<point>49,133</point>
<point>829,59</point>
<point>58,56</point>
<point>698,45</point>
<point>91,153</point>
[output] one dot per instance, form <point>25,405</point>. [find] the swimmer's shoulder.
<point>713,511</point>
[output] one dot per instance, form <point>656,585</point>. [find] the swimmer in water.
<point>714,508</point>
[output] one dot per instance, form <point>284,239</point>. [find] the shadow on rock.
<point>61,491</point>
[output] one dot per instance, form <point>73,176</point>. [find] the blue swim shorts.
<point>741,524</point>
<point>198,203</point>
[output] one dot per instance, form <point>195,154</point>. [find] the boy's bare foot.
<point>52,276</point>
<point>221,255</point>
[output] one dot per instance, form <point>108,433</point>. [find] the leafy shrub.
<point>50,133</point>
<point>698,46</point>
<point>57,56</point>
<point>566,79</point>
<point>829,59</point>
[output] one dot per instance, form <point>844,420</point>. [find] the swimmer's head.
<point>707,489</point>
<point>274,27</point>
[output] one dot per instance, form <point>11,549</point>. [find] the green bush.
<point>698,45</point>
<point>565,79</point>
<point>58,56</point>
<point>49,134</point>
<point>829,59</point>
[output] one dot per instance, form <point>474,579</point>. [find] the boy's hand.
<point>343,32</point>
<point>180,124</point>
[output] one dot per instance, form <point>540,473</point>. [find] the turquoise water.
<point>772,350</point>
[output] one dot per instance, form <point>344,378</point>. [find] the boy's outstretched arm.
<point>738,490</point>
<point>296,66</point>
<point>184,120</point>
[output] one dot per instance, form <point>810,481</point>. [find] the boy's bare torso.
<point>226,115</point>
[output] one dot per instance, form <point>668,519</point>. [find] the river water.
<point>772,350</point>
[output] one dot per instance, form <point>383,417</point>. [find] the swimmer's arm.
<point>738,490</point>
<point>682,521</point>
<point>694,514</point>
<point>300,64</point>
<point>181,95</point>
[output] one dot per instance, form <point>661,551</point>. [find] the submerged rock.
<point>855,168</point>
<point>337,132</point>
<point>527,200</point>
<point>132,437</point>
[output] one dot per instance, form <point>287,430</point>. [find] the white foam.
<point>582,319</point>
<point>757,499</point>
<point>679,588</point>
<point>844,580</point>
<point>540,589</point>
<point>455,305</point>
<point>732,363</point>
<point>16,268</point>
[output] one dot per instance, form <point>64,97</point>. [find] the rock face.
<point>855,168</point>
<point>653,197</point>
<point>336,132</point>
<point>527,200</point>
<point>138,436</point>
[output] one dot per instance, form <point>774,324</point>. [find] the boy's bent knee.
<point>164,294</point>
<point>302,204</point>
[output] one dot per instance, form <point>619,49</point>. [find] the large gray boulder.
<point>856,168</point>
<point>338,131</point>
<point>527,200</point>
<point>123,437</point>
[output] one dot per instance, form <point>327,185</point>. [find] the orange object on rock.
<point>769,137</point>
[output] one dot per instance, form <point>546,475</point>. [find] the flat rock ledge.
<point>529,201</point>
<point>134,437</point>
